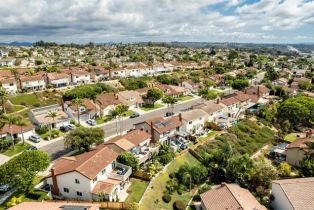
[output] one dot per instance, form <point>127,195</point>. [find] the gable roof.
<point>230,101</point>
<point>37,77</point>
<point>161,124</point>
<point>107,99</point>
<point>298,191</point>
<point>56,76</point>
<point>193,114</point>
<point>211,107</point>
<point>89,164</point>
<point>300,143</point>
<point>231,197</point>
<point>53,205</point>
<point>130,97</point>
<point>130,140</point>
<point>15,129</point>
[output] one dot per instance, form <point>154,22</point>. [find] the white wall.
<point>81,79</point>
<point>280,201</point>
<point>33,84</point>
<point>10,87</point>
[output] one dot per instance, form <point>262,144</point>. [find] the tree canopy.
<point>21,170</point>
<point>83,138</point>
<point>128,159</point>
<point>153,95</point>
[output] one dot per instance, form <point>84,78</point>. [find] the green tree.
<point>21,170</point>
<point>306,167</point>
<point>78,103</point>
<point>240,169</point>
<point>117,112</point>
<point>9,120</point>
<point>153,95</point>
<point>84,138</point>
<point>284,169</point>
<point>3,96</point>
<point>305,85</point>
<point>21,122</point>
<point>240,84</point>
<point>233,54</point>
<point>53,115</point>
<point>129,159</point>
<point>169,100</point>
<point>263,174</point>
<point>271,74</point>
<point>165,154</point>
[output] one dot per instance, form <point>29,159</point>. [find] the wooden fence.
<point>103,205</point>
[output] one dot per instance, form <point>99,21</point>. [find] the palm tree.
<point>53,115</point>
<point>78,103</point>
<point>169,100</point>
<point>20,122</point>
<point>10,120</point>
<point>3,96</point>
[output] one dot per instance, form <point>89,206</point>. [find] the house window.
<point>79,193</point>
<point>77,181</point>
<point>66,190</point>
<point>95,179</point>
<point>103,171</point>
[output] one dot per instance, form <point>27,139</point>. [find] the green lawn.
<point>18,148</point>
<point>153,196</point>
<point>149,108</point>
<point>36,99</point>
<point>15,108</point>
<point>101,120</point>
<point>291,137</point>
<point>209,136</point>
<point>54,134</point>
<point>128,113</point>
<point>185,98</point>
<point>136,190</point>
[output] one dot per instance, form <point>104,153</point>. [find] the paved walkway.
<point>3,159</point>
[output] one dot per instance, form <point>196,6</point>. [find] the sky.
<point>99,21</point>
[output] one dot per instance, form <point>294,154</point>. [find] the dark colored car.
<point>134,115</point>
<point>32,148</point>
<point>168,114</point>
<point>64,129</point>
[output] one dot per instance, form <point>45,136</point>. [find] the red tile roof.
<point>300,143</point>
<point>231,197</point>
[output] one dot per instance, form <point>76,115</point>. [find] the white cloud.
<point>102,20</point>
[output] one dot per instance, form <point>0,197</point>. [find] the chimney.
<point>110,74</point>
<point>218,100</point>
<point>258,91</point>
<point>180,117</point>
<point>115,96</point>
<point>309,134</point>
<point>55,188</point>
<point>152,131</point>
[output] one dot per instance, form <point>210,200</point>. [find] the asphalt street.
<point>57,149</point>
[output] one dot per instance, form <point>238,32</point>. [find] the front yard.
<point>153,196</point>
<point>18,148</point>
<point>37,99</point>
<point>136,190</point>
<point>185,98</point>
<point>151,107</point>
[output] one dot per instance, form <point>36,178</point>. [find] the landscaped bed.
<point>185,98</point>
<point>136,190</point>
<point>151,107</point>
<point>18,148</point>
<point>153,196</point>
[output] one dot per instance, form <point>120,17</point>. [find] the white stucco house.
<point>58,80</point>
<point>80,77</point>
<point>31,83</point>
<point>94,175</point>
<point>10,85</point>
<point>293,194</point>
<point>193,120</point>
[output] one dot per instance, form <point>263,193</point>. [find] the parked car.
<point>168,114</point>
<point>64,129</point>
<point>91,122</point>
<point>70,126</point>
<point>32,148</point>
<point>183,146</point>
<point>4,188</point>
<point>34,138</point>
<point>134,115</point>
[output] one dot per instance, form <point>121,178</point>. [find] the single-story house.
<point>297,150</point>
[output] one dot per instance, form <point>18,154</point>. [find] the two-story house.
<point>106,102</point>
<point>79,77</point>
<point>162,130</point>
<point>87,110</point>
<point>193,120</point>
<point>58,80</point>
<point>31,83</point>
<point>99,73</point>
<point>215,112</point>
<point>94,175</point>
<point>137,142</point>
<point>9,84</point>
<point>131,98</point>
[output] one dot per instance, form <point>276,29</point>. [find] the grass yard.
<point>153,196</point>
<point>136,190</point>
<point>38,99</point>
<point>291,137</point>
<point>150,108</point>
<point>128,113</point>
<point>15,108</point>
<point>18,148</point>
<point>206,138</point>
<point>185,98</point>
<point>101,120</point>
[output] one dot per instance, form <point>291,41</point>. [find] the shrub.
<point>179,205</point>
<point>213,126</point>
<point>180,191</point>
<point>42,130</point>
<point>204,188</point>
<point>197,197</point>
<point>166,198</point>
